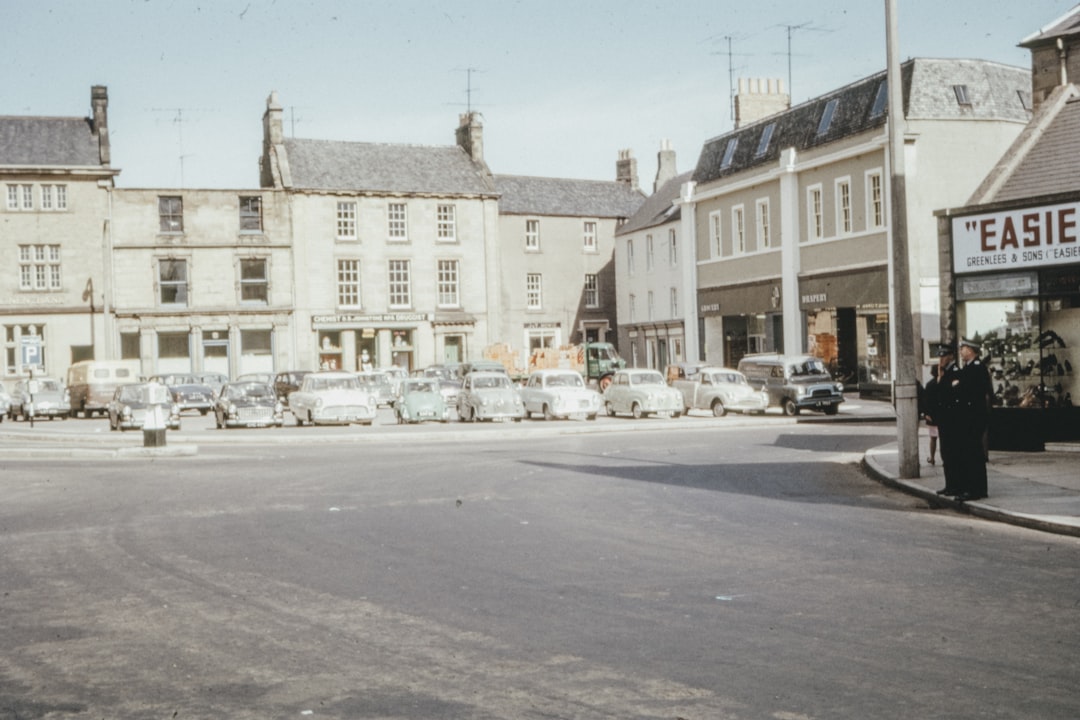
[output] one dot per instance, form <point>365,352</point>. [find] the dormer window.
<point>881,99</point>
<point>766,138</point>
<point>962,95</point>
<point>729,153</point>
<point>827,116</point>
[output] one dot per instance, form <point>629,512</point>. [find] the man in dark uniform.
<point>972,390</point>
<point>946,416</point>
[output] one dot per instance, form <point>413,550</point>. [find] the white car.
<point>489,396</point>
<point>332,398</point>
<point>558,394</point>
<point>640,392</point>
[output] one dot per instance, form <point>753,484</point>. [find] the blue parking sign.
<point>31,350</point>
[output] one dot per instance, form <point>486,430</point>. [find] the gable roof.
<point>525,195</point>
<point>995,91</point>
<point>48,141</point>
<point>384,168</point>
<point>658,208</point>
<point>1042,160</point>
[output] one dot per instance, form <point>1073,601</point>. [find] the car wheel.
<point>636,411</point>
<point>718,409</point>
<point>547,412</point>
<point>604,382</point>
<point>675,414</point>
<point>609,409</point>
<point>790,408</point>
<point>203,412</point>
<point>832,409</point>
<point>298,419</point>
<point>591,416</point>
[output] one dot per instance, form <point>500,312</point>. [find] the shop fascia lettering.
<point>1029,237</point>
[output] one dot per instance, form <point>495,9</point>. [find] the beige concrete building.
<point>56,176</point>
<point>791,214</point>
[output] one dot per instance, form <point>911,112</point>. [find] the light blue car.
<point>420,400</point>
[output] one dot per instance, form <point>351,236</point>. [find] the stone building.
<point>395,252</point>
<point>205,279</point>
<point>655,274</point>
<point>54,218</point>
<point>556,274</point>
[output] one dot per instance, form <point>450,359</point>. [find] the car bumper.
<point>343,415</point>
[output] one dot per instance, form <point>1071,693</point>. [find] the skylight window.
<point>881,99</point>
<point>827,116</point>
<point>962,95</point>
<point>729,153</point>
<point>766,138</point>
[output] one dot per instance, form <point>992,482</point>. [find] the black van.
<point>794,382</point>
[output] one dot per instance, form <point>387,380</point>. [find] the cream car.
<point>333,398</point>
<point>640,392</point>
<point>559,394</point>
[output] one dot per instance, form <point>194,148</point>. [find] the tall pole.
<point>905,389</point>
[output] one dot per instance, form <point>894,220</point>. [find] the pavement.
<point>1037,490</point>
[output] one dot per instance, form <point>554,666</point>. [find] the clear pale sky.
<point>562,85</point>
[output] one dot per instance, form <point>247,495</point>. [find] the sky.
<point>562,85</point>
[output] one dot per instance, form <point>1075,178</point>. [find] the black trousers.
<point>950,463</point>
<point>970,476</point>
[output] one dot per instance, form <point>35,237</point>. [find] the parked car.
<point>420,400</point>
<point>718,389</point>
<point>380,384</point>
<point>395,373</point>
<point>288,382</point>
<point>329,397</point>
<point>263,377</point>
<point>482,366</point>
<point>489,396</point>
<point>213,380</point>
<point>248,404</point>
<point>91,383</point>
<point>130,404</point>
<point>41,396</point>
<point>5,402</point>
<point>556,393</point>
<point>641,392</point>
<point>794,382</point>
<point>188,392</point>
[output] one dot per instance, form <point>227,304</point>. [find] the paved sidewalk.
<point>1030,489</point>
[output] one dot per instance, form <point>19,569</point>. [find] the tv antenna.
<point>293,120</point>
<point>178,120</point>
<point>809,26</point>
<point>469,89</point>
<point>731,71</point>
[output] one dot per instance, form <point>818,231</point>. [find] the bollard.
<point>154,424</point>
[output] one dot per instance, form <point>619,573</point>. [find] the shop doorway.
<point>452,349</point>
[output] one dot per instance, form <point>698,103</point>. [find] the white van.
<point>92,383</point>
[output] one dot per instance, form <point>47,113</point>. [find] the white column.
<point>790,231</point>
<point>688,269</point>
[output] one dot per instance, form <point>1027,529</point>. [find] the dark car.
<point>130,405</point>
<point>247,404</point>
<point>287,382</point>
<point>188,393</point>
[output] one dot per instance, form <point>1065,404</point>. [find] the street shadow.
<point>824,482</point>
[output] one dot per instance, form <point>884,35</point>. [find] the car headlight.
<point>278,408</point>
<point>801,391</point>
<point>232,409</point>
<point>839,387</point>
<point>125,411</point>
<point>318,402</point>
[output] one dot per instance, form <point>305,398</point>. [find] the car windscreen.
<point>565,380</point>
<point>647,379</point>
<point>490,382</point>
<point>806,368</point>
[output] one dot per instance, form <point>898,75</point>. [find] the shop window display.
<point>1030,346</point>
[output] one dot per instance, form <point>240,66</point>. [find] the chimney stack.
<point>99,104</point>
<point>665,164</point>
<point>271,172</point>
<point>626,169</point>
<point>470,135</point>
<point>759,98</point>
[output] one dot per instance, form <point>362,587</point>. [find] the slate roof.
<point>384,168</point>
<point>525,195</point>
<point>658,208</point>
<point>1066,25</point>
<point>48,141</point>
<point>994,90</point>
<point>1042,161</point>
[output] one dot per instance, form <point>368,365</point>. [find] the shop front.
<point>847,326</point>
<point>1016,290</point>
<point>406,340</point>
<point>740,320</point>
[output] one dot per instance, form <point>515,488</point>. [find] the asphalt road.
<point>749,572</point>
